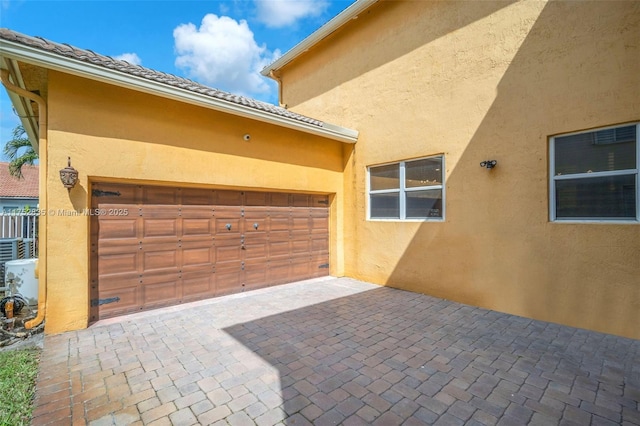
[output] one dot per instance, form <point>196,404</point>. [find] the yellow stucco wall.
<point>115,134</point>
<point>477,81</point>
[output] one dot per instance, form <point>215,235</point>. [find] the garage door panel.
<point>128,301</point>
<point>187,244</point>
<point>231,253</point>
<point>300,226</point>
<point>113,193</point>
<point>111,228</point>
<point>227,230</point>
<point>300,267</point>
<point>303,212</point>
<point>319,245</point>
<point>279,199</point>
<point>120,245</point>
<point>228,210</point>
<point>116,282</point>
<point>279,271</point>
<point>160,258</point>
<point>228,198</point>
<point>118,263</point>
<point>160,228</point>
<point>319,210</point>
<point>300,246</point>
<point>228,281</point>
<point>197,211</point>
<point>319,265</point>
<point>200,256</point>
<point>319,203</point>
<point>259,199</point>
<point>279,223</point>
<point>255,246</point>
<point>198,285</point>
<point>226,226</point>
<point>193,229</point>
<point>255,274</point>
<point>116,210</point>
<point>158,211</point>
<point>159,195</point>
<point>161,290</point>
<point>279,249</point>
<point>256,221</point>
<point>319,225</point>
<point>197,222</point>
<point>300,200</point>
<point>197,197</point>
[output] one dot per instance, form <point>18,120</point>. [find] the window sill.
<point>596,222</point>
<point>405,220</point>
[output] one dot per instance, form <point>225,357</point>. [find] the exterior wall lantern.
<point>69,175</point>
<point>489,164</point>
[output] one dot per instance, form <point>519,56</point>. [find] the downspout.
<point>278,80</point>
<point>42,226</point>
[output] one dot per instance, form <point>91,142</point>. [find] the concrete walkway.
<point>335,351</point>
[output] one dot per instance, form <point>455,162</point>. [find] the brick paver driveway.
<point>336,351</point>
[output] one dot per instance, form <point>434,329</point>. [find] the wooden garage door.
<point>158,246</point>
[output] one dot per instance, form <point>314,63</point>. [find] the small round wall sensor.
<point>247,137</point>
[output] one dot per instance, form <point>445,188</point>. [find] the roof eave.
<point>49,60</point>
<point>341,19</point>
<point>21,106</point>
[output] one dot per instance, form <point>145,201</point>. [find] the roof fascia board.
<point>342,18</point>
<point>22,108</point>
<point>56,62</point>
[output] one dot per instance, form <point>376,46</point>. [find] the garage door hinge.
<point>324,265</point>
<point>98,302</point>
<point>101,193</point>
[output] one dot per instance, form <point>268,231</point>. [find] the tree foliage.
<point>19,151</point>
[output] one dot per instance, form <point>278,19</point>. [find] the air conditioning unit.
<point>10,249</point>
<point>28,248</point>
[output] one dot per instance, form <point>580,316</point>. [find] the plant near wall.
<point>19,151</point>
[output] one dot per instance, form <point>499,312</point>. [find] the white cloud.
<point>224,54</point>
<point>132,58</point>
<point>280,13</point>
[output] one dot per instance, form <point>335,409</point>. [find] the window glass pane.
<point>421,204</point>
<point>423,172</point>
<point>385,177</point>
<point>603,150</point>
<point>385,206</point>
<point>604,197</point>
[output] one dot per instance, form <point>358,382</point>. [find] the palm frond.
<point>19,151</point>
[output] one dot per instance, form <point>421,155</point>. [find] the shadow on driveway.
<point>388,357</point>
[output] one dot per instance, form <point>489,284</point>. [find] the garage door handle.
<point>228,226</point>
<point>255,225</point>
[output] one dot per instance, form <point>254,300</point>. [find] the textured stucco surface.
<point>477,81</point>
<point>114,134</point>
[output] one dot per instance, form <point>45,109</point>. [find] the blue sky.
<point>223,44</point>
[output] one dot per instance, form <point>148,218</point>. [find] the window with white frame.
<point>594,175</point>
<point>407,190</point>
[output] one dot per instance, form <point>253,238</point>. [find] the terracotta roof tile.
<point>83,55</point>
<point>11,187</point>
